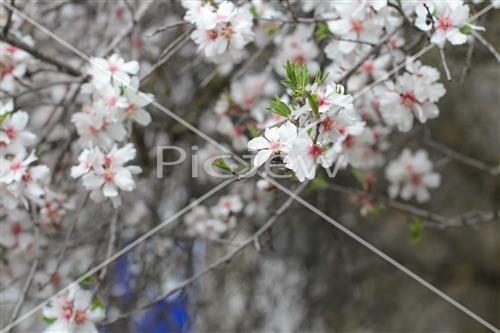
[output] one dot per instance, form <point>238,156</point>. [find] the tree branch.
<point>219,262</point>
<point>63,67</point>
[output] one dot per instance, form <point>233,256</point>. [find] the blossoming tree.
<point>106,228</point>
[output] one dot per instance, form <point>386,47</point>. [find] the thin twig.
<point>431,219</point>
<point>128,30</point>
<point>168,27</point>
<point>219,262</point>
<point>486,44</point>
<point>34,266</point>
<point>173,48</point>
<point>468,60</point>
<point>111,243</point>
<point>444,63</point>
<point>467,160</point>
<point>354,68</point>
<point>35,52</point>
<point>9,19</point>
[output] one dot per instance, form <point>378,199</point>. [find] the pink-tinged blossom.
<point>355,23</point>
<point>74,312</point>
<point>411,175</point>
<point>299,48</point>
<point>275,140</point>
<point>96,126</point>
<point>13,134</point>
<point>305,155</point>
<point>214,222</point>
<point>107,174</point>
<point>223,34</point>
<point>408,98</point>
<point>136,102</point>
<point>13,64</point>
<point>104,71</point>
<point>446,21</point>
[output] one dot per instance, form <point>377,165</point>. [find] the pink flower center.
<point>11,49</point>
<point>212,34</point>
<point>26,178</point>
<point>112,101</point>
<point>80,316</point>
<point>368,67</point>
<point>108,176</point>
<point>408,99</point>
<point>323,101</point>
<point>67,310</point>
<point>15,166</point>
<point>316,150</point>
<point>357,26</point>
<point>349,141</point>
<point>275,146</point>
<point>416,179</point>
<point>113,68</point>
<point>16,229</point>
<point>248,102</point>
<point>227,31</point>
<point>6,70</point>
<point>444,24</point>
<point>327,124</point>
<point>299,60</point>
<point>55,278</point>
<point>11,132</point>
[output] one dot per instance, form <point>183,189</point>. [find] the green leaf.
<point>88,280</point>
<point>122,88</point>
<point>377,210</point>
<point>314,103</point>
<point>360,176</point>
<point>297,76</point>
<point>254,12</point>
<point>322,31</point>
<point>320,77</point>
<point>416,228</point>
<point>96,304</point>
<point>4,116</point>
<point>279,107</point>
<point>222,164</point>
<point>271,31</point>
<point>49,320</point>
<point>466,29</point>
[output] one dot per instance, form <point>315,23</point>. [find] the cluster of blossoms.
<point>318,125</point>
<point>105,174</point>
<point>412,95</point>
<point>412,175</point>
<point>74,312</point>
<point>13,65</point>
<point>214,222</point>
<point>446,20</point>
<point>21,179</point>
<point>222,30</point>
<point>105,121</point>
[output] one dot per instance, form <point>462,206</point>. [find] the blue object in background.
<point>169,316</point>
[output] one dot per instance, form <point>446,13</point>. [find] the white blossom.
<point>412,175</point>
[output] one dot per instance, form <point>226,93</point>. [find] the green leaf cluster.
<point>279,107</point>
<point>416,228</point>
<point>222,164</point>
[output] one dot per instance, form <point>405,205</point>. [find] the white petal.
<point>258,143</point>
<point>261,157</point>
